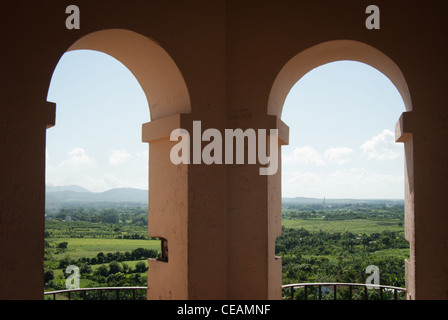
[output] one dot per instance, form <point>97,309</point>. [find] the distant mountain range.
<point>310,201</point>
<point>73,195</point>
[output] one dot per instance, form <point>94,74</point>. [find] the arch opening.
<point>331,51</point>
<point>152,83</point>
<point>154,69</point>
<point>326,152</point>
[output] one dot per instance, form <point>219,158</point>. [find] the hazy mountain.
<point>303,200</point>
<point>73,195</point>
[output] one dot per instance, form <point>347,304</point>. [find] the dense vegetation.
<point>339,242</point>
<point>109,246</point>
<point>331,243</point>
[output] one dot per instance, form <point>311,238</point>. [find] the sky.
<point>100,108</point>
<point>341,116</point>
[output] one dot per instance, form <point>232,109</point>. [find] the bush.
<point>48,276</point>
<point>115,267</point>
<point>141,267</point>
<point>102,270</point>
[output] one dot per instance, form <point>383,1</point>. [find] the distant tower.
<point>324,202</point>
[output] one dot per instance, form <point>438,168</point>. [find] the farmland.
<point>110,247</point>
<point>336,243</point>
<point>331,243</point>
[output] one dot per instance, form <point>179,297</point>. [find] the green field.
<point>80,247</point>
<point>317,244</point>
<point>357,226</point>
<point>111,248</point>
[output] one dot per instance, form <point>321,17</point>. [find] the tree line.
<point>339,257</point>
<point>112,269</point>
<point>133,215</point>
<point>101,258</point>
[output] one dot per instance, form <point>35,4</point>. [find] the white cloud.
<point>77,158</point>
<point>302,177</point>
<point>118,157</point>
<point>308,155</point>
<point>364,179</point>
<point>301,184</point>
<point>112,181</point>
<point>381,147</point>
<point>338,155</point>
<point>345,183</point>
<point>144,154</point>
<point>304,155</point>
<point>70,170</point>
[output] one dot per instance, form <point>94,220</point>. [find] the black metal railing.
<point>86,293</point>
<point>331,291</point>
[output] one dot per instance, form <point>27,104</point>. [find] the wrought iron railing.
<point>68,293</point>
<point>332,290</point>
<point>329,289</point>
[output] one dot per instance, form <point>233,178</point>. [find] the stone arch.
<point>154,69</point>
<point>332,51</point>
<point>343,50</point>
<point>169,105</point>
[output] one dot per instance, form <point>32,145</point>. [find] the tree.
<point>386,240</point>
<point>116,279</point>
<point>141,267</point>
<point>365,241</point>
<point>65,262</point>
<point>137,280</point>
<point>102,270</point>
<point>110,257</point>
<point>100,257</point>
<point>85,268</point>
<point>115,267</point>
<point>62,245</point>
<point>127,256</point>
<point>49,275</point>
<point>125,267</point>
<point>138,253</point>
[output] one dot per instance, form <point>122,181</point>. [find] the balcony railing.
<point>84,291</point>
<point>360,289</point>
<point>352,287</point>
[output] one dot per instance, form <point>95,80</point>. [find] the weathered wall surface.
<point>229,54</point>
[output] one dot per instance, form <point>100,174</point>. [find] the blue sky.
<point>100,108</point>
<point>341,117</point>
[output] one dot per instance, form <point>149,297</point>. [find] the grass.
<point>89,248</point>
<point>356,226</point>
<point>403,253</point>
